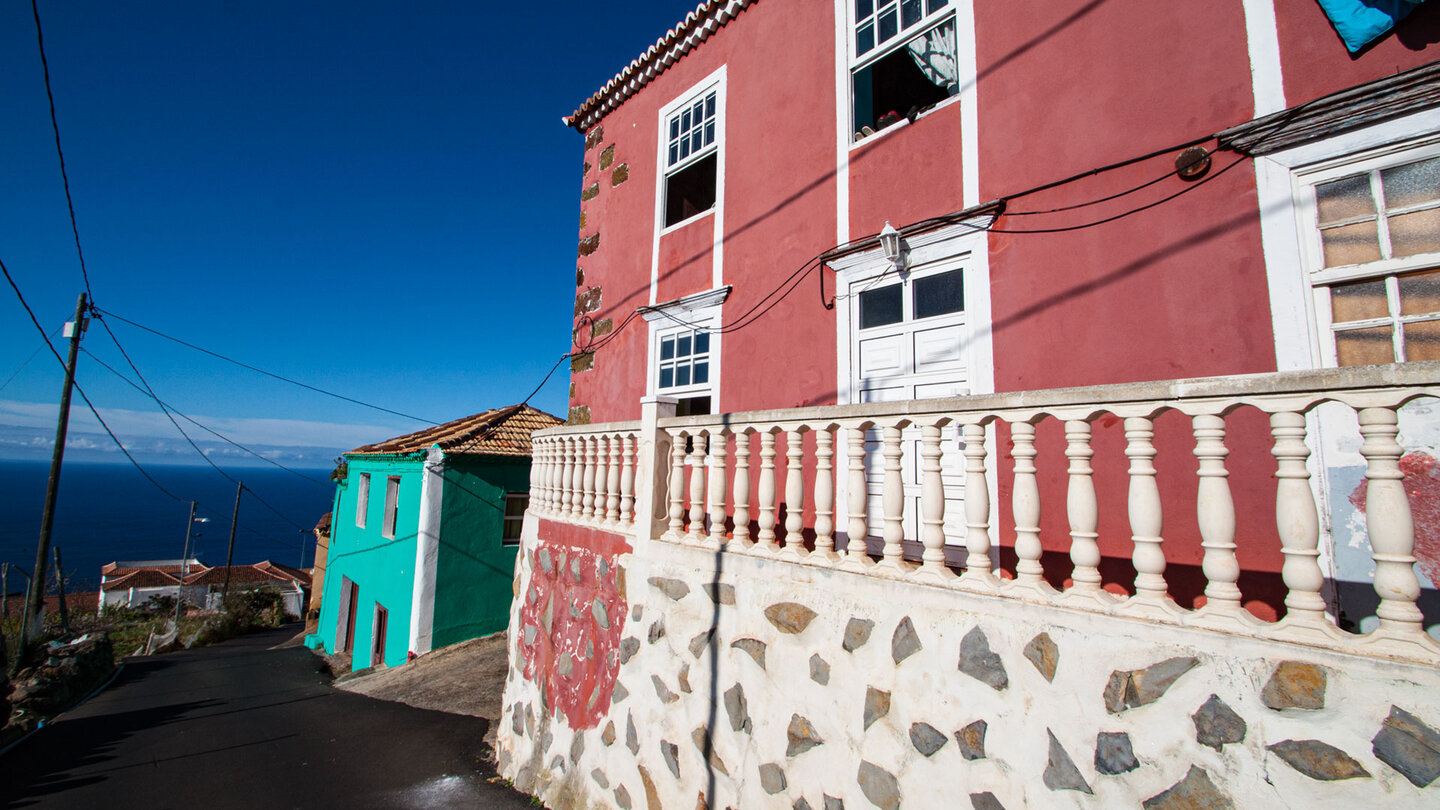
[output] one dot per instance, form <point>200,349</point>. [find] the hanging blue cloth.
<point>1360,22</point>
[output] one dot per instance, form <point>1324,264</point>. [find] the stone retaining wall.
<point>754,683</point>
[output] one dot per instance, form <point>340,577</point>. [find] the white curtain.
<point>934,54</point>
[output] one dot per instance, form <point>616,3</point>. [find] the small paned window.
<point>362,500</point>
<point>691,161</point>
<point>515,505</point>
<point>940,294</point>
<point>882,306</point>
<point>903,60</point>
<point>392,505</point>
<point>930,296</point>
<point>684,359</point>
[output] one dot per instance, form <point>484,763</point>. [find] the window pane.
<point>1422,340</point>
<point>515,505</point>
<point>1350,244</point>
<point>888,25</point>
<point>1420,293</point>
<point>710,106</point>
<point>1364,347</point>
<point>709,132</point>
<point>682,375</point>
<point>1411,184</point>
<point>667,377</point>
<point>933,6</point>
<point>865,38</point>
<point>1343,199</point>
<point>864,8</point>
<point>697,140</point>
<point>690,190</point>
<point>702,342</point>
<point>881,307</point>
<point>939,295</point>
<point>683,349</point>
<point>909,13</point>
<point>674,127</point>
<point>685,120</point>
<point>674,153</point>
<point>702,372</point>
<point>684,147</point>
<point>667,348</point>
<point>1415,233</point>
<point>1358,300</point>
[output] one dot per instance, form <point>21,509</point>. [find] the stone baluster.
<point>627,480</point>
<point>824,499</point>
<point>587,505</point>
<point>794,495</point>
<point>557,477</point>
<point>1392,537</point>
<point>696,530</point>
<point>547,476</point>
<point>741,540</point>
<point>932,507</point>
<point>977,575</point>
<point>576,481</point>
<point>1146,521</point>
<point>538,490</point>
<point>677,487</point>
<point>858,527</point>
<point>1298,523</point>
<point>612,481</point>
<point>1215,516</point>
<point>716,489</point>
<point>893,500</point>
<point>602,477</point>
<point>765,541</point>
<point>1025,504</point>
<point>1083,511</point>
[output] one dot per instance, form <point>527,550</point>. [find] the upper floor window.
<point>392,505</point>
<point>362,500</point>
<point>515,505</point>
<point>1374,255</point>
<point>903,60</point>
<point>691,135</point>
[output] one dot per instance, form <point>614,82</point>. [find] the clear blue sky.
<point>375,198</point>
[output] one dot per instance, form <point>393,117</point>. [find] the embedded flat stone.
<point>608,735</point>
<point>652,796</point>
<point>684,678</point>
<point>790,617</point>
<point>772,778</point>
<point>1060,771</point>
<point>547,618</point>
<point>670,752</point>
<point>574,611</point>
<point>662,691</point>
<point>737,709</point>
<point>602,566</point>
<point>628,647</point>
<point>1194,792</point>
<point>542,556</point>
<point>801,735</point>
<point>1113,754</point>
<point>1295,685</point>
<point>877,705</point>
<point>819,670</point>
<point>979,662</point>
<point>927,739</point>
<point>622,797</point>
<point>577,747</point>
<point>1042,652</point>
<point>971,740</point>
<point>985,801</point>
<point>832,803</point>
<point>800,804</point>
<point>600,779</point>
<point>752,647</point>
<point>619,693</point>
<point>700,642</point>
<point>1128,689</point>
<point>879,786</point>
<point>657,630</point>
<point>602,616</point>
<point>720,593</point>
<point>1318,760</point>
<point>673,588</point>
<point>857,633</point>
<point>636,612</point>
<point>575,569</point>
<point>631,740</point>
<point>1217,725</point>
<point>904,643</point>
<point>558,764</point>
<point>517,721</point>
<point>1409,746</point>
<point>701,737</point>
<point>530,632</point>
<point>566,665</point>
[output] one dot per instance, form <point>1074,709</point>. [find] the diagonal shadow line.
<point>156,761</point>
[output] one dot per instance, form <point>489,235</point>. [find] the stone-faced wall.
<point>745,682</point>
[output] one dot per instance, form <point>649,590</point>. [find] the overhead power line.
<point>59,152</point>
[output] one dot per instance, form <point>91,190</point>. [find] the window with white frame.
<point>362,500</point>
<point>902,60</point>
<point>392,505</point>
<point>515,505</point>
<point>691,155</point>
<point>682,367</point>
<point>1373,226</point>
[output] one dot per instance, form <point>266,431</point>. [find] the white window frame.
<point>700,312</point>
<point>392,506</point>
<point>714,83</point>
<point>855,61</point>
<point>362,500</point>
<point>518,521</point>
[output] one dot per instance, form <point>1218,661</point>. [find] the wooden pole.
<point>230,549</point>
<point>60,589</point>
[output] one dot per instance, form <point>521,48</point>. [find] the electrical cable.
<point>258,370</point>
<point>32,356</point>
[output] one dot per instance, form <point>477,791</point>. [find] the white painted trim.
<point>842,122</point>
<point>967,60</point>
<point>698,317</point>
<point>1408,128</point>
<point>1291,320</point>
<point>427,552</point>
<point>718,81</point>
<point>1262,37</point>
<point>682,308</point>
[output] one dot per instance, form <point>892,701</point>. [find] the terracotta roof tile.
<point>141,578</point>
<point>238,573</point>
<point>497,432</point>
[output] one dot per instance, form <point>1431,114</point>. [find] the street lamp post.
<point>185,563</point>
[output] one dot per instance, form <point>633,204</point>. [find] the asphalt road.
<point>245,726</point>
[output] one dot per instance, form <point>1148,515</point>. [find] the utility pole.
<point>230,550</point>
<point>60,589</point>
<point>184,566</point>
<point>4,590</point>
<point>30,625</point>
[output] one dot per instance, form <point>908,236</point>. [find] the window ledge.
<point>904,123</point>
<point>682,223</point>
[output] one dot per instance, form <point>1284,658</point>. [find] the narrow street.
<point>243,725</point>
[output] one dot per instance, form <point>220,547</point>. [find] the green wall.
<point>475,571</point>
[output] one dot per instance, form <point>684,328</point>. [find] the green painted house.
<point>424,536</point>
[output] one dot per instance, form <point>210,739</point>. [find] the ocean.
<point>107,512</point>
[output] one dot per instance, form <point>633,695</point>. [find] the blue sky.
<point>374,198</point>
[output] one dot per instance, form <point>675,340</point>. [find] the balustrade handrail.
<point>586,429</point>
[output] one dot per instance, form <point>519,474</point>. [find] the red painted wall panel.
<point>1314,61</point>
<point>907,173</point>
<point>687,260</point>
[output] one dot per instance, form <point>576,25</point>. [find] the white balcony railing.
<point>724,481</point>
